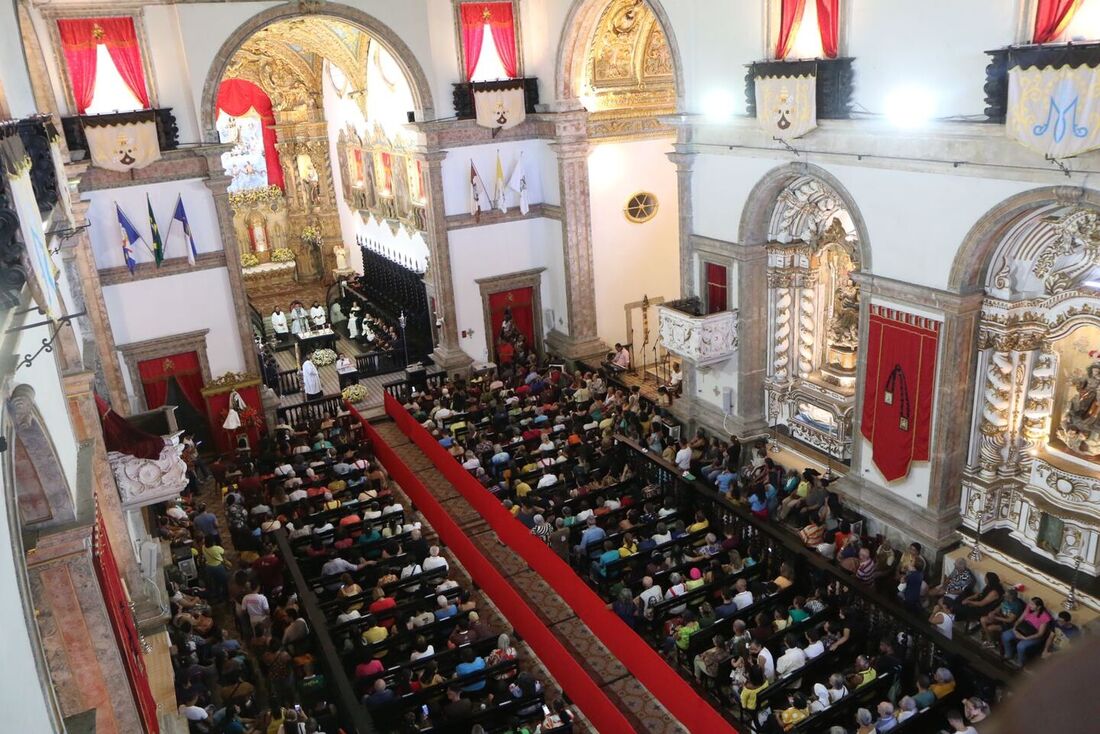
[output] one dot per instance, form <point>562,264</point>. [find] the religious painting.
<point>1076,417</point>
<point>1051,532</point>
<point>416,181</point>
<point>245,162</point>
<point>383,174</point>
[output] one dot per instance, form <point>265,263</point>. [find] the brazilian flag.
<point>158,246</point>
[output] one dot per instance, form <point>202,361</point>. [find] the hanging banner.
<point>500,105</point>
<point>59,165</point>
<point>897,396</point>
<point>42,275</point>
<point>122,142</point>
<point>786,106</point>
<point>1054,111</point>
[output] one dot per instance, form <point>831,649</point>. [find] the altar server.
<point>317,316</point>
<point>278,323</point>
<point>311,380</point>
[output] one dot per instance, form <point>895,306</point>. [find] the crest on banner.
<point>500,105</point>
<point>123,142</point>
<point>1054,111</point>
<point>786,106</point>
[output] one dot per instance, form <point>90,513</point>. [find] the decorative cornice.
<point>919,295</point>
<point>537,211</point>
<point>173,266</point>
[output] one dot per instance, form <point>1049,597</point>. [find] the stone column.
<point>99,340</point>
<point>751,263</point>
<point>447,354</point>
<point>572,148</point>
<point>218,184</point>
<point>684,163</point>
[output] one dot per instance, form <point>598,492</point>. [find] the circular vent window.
<point>641,207</point>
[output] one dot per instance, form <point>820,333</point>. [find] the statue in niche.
<point>844,322</point>
<point>1080,426</point>
<point>341,255</point>
<point>311,181</point>
<point>258,232</point>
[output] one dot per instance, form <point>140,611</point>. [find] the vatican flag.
<point>500,200</point>
<point>1054,111</point>
<point>500,104</point>
<point>123,146</point>
<point>786,106</point>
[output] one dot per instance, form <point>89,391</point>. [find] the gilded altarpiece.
<point>813,310</point>
<point>1034,460</point>
<point>392,179</point>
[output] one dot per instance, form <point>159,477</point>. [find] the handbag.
<point>1025,629</point>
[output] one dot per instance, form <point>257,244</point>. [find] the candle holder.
<point>1071,601</point>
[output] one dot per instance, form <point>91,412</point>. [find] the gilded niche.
<point>629,63</point>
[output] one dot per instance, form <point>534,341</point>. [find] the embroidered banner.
<point>1054,111</point>
<point>500,104</point>
<point>786,106</point>
<point>897,395</point>
<point>122,146</point>
<point>42,272</point>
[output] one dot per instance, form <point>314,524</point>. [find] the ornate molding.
<point>171,266</point>
<point>135,352</point>
<point>143,482</point>
<point>700,339</point>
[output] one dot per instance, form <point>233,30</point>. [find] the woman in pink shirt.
<point>1028,633</point>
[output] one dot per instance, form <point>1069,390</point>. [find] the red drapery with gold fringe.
<point>1052,17</point>
<point>789,21</point>
<point>80,38</point>
<point>236,97</point>
<point>897,396</point>
<point>501,24</point>
<point>184,367</point>
<point>828,22</point>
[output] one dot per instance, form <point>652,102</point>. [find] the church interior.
<point>542,366</point>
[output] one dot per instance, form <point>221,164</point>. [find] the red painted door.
<point>122,622</point>
<point>520,302</point>
<point>184,367</point>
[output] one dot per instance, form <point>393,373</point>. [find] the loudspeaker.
<point>411,115</point>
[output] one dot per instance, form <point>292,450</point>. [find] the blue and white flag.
<point>180,215</point>
<point>129,237</point>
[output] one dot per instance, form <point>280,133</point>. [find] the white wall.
<point>15,81</point>
<point>160,307</point>
<point>499,249</point>
<point>107,237</point>
<point>632,260</point>
<point>372,230</point>
<point>539,163</point>
<point>171,69</point>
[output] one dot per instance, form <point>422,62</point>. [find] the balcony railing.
<point>36,134</point>
<point>464,95</point>
<point>835,79</point>
<point>167,132</point>
<point>1003,59</point>
<point>697,337</point>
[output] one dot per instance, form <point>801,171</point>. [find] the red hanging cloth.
<point>1052,17</point>
<point>828,22</point>
<point>503,27</point>
<point>184,367</point>
<point>121,41</point>
<point>790,20</point>
<point>236,97</point>
<point>520,302</point>
<point>80,56</point>
<point>716,288</point>
<point>119,435</point>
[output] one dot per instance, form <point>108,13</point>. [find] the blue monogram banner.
<point>1054,111</point>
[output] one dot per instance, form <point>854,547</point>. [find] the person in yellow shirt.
<point>629,546</point>
<point>753,687</point>
<point>374,635</point>
<point>701,523</point>
<point>522,488</point>
<point>798,711</point>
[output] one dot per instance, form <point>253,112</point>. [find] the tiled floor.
<point>639,705</point>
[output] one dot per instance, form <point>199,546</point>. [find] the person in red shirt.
<point>269,570</point>
<point>381,604</point>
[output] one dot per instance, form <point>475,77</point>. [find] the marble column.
<point>572,148</point>
<point>685,162</point>
<point>218,183</point>
<point>751,264</point>
<point>447,354</point>
<point>100,354</point>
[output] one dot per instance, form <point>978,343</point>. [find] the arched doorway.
<point>1034,452</point>
<point>816,244</point>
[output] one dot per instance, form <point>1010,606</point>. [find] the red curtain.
<point>501,24</point>
<point>119,435</point>
<point>1052,17</point>
<point>828,22</point>
<point>121,42</point>
<point>519,301</point>
<point>122,623</point>
<point>788,26</point>
<point>236,97</point>
<point>716,288</point>
<point>184,367</point>
<point>897,396</point>
<point>80,57</point>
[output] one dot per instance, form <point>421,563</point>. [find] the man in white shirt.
<point>279,325</point>
<point>816,646</point>
<point>683,456</point>
<point>317,316</point>
<point>548,480</point>
<point>622,357</point>
<point>764,659</point>
<point>743,597</point>
<point>651,593</point>
<point>298,495</point>
<point>334,567</point>
<point>434,560</point>
<point>255,604</point>
<point>792,658</point>
<point>663,534</point>
<point>311,380</point>
<point>299,318</point>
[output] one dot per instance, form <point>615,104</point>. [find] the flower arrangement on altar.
<point>354,393</point>
<point>282,255</point>
<point>250,197</point>
<point>311,236</point>
<point>249,260</point>
<point>323,357</point>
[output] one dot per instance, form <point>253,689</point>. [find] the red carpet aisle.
<point>643,711</point>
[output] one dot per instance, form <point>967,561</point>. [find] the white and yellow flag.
<point>123,147</point>
<point>1054,111</point>
<point>786,106</point>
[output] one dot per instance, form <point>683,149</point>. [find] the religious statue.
<point>1080,426</point>
<point>311,182</point>
<point>341,255</point>
<point>844,321</point>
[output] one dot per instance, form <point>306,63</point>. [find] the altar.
<point>309,341</point>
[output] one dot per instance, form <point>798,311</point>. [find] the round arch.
<point>580,26</point>
<point>761,203</point>
<point>375,28</point>
<point>974,256</point>
<point>43,493</point>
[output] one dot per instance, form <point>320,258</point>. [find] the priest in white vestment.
<point>299,318</point>
<point>353,322</point>
<point>278,323</point>
<point>336,313</point>
<point>311,380</point>
<point>317,316</point>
